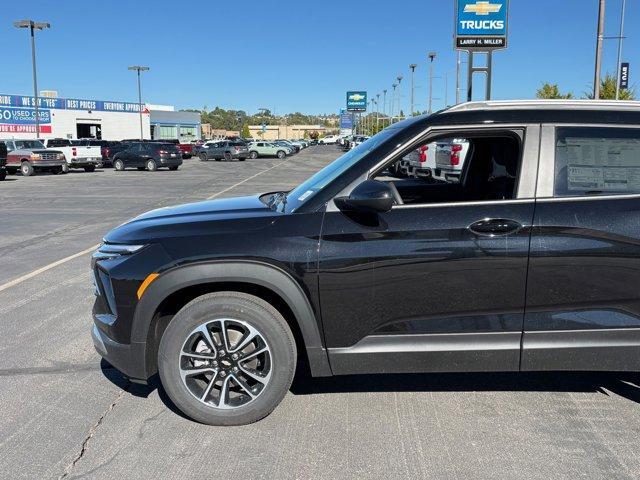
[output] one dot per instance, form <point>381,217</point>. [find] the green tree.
<point>550,91</point>
<point>245,131</point>
<point>608,90</point>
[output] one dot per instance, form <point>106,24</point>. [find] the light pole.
<point>384,103</point>
<point>33,26</point>
<point>399,78</point>
<point>624,3</point>
<point>377,111</point>
<point>596,77</point>
<point>139,69</point>
<point>458,62</point>
<point>432,57</point>
<point>413,70</point>
<point>393,100</point>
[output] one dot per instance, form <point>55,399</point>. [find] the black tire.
<point>281,154</point>
<point>174,168</point>
<point>227,157</point>
<point>26,169</point>
<point>3,174</point>
<point>90,168</point>
<point>243,307</point>
<point>203,157</point>
<point>151,165</point>
<point>118,165</point>
<point>253,154</point>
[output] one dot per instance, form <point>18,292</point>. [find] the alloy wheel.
<point>225,363</point>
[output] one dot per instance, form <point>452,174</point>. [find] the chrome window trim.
<point>465,204</point>
<point>547,165</point>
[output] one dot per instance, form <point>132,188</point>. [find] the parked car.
<point>148,156</point>
<point>3,161</point>
<point>31,156</point>
<point>421,162</point>
<point>295,146</point>
<point>224,150</point>
<point>266,149</point>
<point>77,156</point>
<point>290,149</point>
<point>531,261</point>
<point>328,140</point>
<point>450,158</point>
<point>108,148</point>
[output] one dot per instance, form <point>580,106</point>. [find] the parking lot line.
<point>40,270</point>
<point>243,181</point>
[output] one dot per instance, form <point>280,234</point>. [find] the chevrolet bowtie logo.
<point>483,8</point>
<point>356,97</point>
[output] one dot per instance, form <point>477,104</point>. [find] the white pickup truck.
<point>76,156</point>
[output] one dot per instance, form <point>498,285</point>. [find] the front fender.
<point>252,272</point>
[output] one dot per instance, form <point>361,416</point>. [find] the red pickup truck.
<point>30,156</point>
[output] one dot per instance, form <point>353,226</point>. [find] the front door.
<point>583,295</point>
<point>438,282</point>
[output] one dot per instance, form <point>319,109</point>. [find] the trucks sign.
<point>481,24</point>
<point>356,101</point>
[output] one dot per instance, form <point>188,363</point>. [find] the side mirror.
<point>370,195</point>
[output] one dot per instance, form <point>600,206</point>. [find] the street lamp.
<point>413,69</point>
<point>399,78</point>
<point>139,69</point>
<point>377,111</point>
<point>384,103</point>
<point>393,99</point>
<point>33,26</point>
<point>432,57</point>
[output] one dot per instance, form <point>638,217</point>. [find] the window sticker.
<point>305,195</point>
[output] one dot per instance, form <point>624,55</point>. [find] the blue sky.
<point>291,55</point>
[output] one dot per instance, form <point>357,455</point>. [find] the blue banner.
<point>478,18</point>
<point>68,104</point>
<point>346,120</point>
<point>23,116</point>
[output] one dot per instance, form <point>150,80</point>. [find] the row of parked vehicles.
<point>240,149</point>
<point>60,155</point>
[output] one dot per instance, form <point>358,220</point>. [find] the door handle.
<point>495,226</point>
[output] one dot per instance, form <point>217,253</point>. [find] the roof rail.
<point>546,104</point>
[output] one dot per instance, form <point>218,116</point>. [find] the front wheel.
<point>118,165</point>
<point>151,165</point>
<point>280,154</point>
<point>227,358</point>
<point>253,155</point>
<point>27,169</point>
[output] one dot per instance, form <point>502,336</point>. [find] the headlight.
<point>36,156</point>
<point>60,156</point>
<point>112,250</point>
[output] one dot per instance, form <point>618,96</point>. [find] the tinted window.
<point>597,161</point>
<point>58,142</point>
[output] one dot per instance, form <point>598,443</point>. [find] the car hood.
<point>193,219</point>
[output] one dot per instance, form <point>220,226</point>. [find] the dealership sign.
<point>481,24</point>
<point>23,120</point>
<point>68,104</point>
<point>346,120</point>
<point>624,76</point>
<point>356,101</point>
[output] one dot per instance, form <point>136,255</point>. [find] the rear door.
<point>583,287</point>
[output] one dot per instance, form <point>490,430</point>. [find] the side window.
<point>465,168</point>
<point>597,161</point>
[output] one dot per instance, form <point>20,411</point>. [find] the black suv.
<point>148,156</point>
<point>530,260</point>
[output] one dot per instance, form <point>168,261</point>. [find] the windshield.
<point>29,144</point>
<point>324,177</point>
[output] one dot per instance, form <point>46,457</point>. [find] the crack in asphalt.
<point>92,431</point>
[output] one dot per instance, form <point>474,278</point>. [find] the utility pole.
<point>33,26</point>
<point>458,65</point>
<point>432,57</point>
<point>393,100</point>
<point>399,96</point>
<point>596,77</point>
<point>624,4</point>
<point>384,105</point>
<point>139,69</point>
<point>446,89</point>
<point>413,70</point>
<point>377,111</point>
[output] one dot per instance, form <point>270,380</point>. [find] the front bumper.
<point>127,358</point>
<point>46,163</point>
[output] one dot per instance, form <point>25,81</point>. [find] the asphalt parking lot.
<point>66,414</point>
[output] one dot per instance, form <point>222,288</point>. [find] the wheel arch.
<point>176,287</point>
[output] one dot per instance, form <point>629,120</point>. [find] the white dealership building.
<point>102,119</point>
